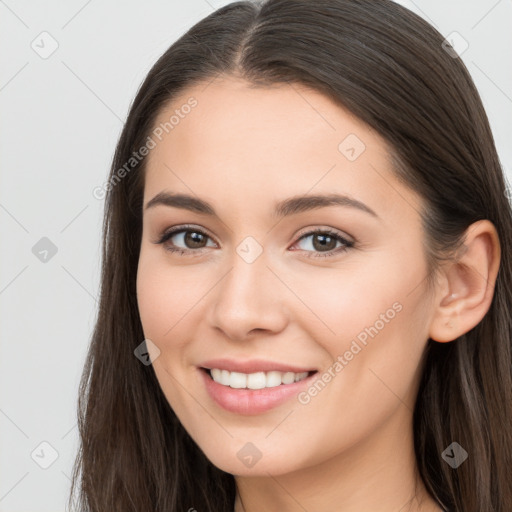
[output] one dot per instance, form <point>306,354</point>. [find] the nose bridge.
<point>248,296</point>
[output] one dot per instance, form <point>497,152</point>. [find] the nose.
<point>248,299</point>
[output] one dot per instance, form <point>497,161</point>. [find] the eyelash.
<point>180,229</point>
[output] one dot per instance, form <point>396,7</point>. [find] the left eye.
<point>324,242</point>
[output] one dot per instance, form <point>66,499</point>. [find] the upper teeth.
<point>256,380</point>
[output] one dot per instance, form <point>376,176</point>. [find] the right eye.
<point>190,237</point>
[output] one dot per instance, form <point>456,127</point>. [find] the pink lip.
<point>251,401</point>
<point>252,366</point>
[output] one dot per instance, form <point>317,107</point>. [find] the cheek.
<point>378,357</point>
<point>374,319</point>
<point>155,303</point>
<point>166,296</point>
<point>165,300</point>
<point>340,302</point>
<point>366,383</point>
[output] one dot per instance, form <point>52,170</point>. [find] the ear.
<point>467,284</point>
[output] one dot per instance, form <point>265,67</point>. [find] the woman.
<point>306,277</point>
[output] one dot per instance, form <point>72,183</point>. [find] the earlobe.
<point>467,284</point>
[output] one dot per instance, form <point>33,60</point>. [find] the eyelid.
<point>324,229</point>
<point>167,233</point>
<point>348,241</point>
<point>305,231</point>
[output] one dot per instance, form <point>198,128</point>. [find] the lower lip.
<point>252,401</point>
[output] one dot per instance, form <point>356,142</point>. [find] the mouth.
<point>260,388</point>
<point>256,380</point>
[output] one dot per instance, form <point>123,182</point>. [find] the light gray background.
<point>61,117</point>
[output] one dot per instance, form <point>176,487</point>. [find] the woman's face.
<point>253,293</point>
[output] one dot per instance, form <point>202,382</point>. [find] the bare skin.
<point>348,447</point>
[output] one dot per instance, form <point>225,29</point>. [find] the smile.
<point>258,389</point>
<point>258,380</point>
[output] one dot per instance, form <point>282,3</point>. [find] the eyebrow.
<point>287,207</point>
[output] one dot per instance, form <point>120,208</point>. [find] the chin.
<point>246,458</point>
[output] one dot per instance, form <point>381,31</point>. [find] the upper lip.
<point>253,366</point>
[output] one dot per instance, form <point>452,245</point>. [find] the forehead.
<point>251,146</point>
<point>233,111</point>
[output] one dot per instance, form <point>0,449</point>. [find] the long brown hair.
<point>388,67</point>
